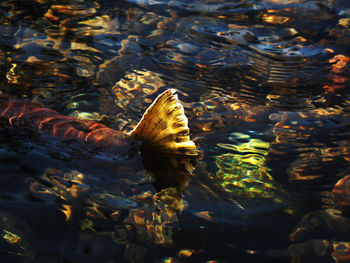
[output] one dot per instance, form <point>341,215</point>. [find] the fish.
<point>163,128</point>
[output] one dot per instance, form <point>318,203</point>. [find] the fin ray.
<point>165,126</point>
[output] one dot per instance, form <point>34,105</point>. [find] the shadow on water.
<point>264,85</point>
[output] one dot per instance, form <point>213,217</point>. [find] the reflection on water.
<point>264,84</point>
<point>139,219</point>
<point>14,239</point>
<point>244,173</point>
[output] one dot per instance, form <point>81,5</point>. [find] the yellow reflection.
<point>275,19</point>
<point>153,222</point>
<point>11,75</point>
<point>71,10</point>
<point>66,186</point>
<point>93,116</point>
<point>169,260</point>
<point>185,253</point>
<point>341,252</point>
<point>251,252</point>
<point>243,171</point>
<point>344,22</point>
<point>321,112</point>
<point>205,215</point>
<point>55,38</point>
<point>82,46</point>
<point>252,146</point>
<point>100,25</point>
<point>135,85</point>
<point>10,238</point>
<point>67,211</point>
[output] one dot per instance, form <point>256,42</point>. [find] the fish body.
<point>162,127</point>
<point>31,116</point>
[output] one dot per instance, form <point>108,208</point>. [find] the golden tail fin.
<point>164,127</point>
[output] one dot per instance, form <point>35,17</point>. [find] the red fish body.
<point>27,115</point>
<point>163,126</point>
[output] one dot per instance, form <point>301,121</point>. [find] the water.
<point>264,84</point>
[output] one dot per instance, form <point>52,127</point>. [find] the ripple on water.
<point>263,83</point>
<point>275,63</point>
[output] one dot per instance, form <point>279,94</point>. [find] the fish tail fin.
<point>164,127</point>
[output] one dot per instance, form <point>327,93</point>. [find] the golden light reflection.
<point>156,226</point>
<point>341,253</point>
<point>210,110</point>
<point>275,19</point>
<point>136,84</point>
<point>10,237</point>
<point>205,215</point>
<point>55,39</point>
<point>301,39</point>
<point>339,62</point>
<point>67,186</point>
<point>345,22</point>
<point>92,116</point>
<point>100,25</point>
<point>253,146</point>
<point>50,16</point>
<point>185,253</point>
<point>322,112</point>
<point>163,24</point>
<point>153,221</point>
<point>67,211</point>
<point>11,76</point>
<point>169,260</point>
<point>243,171</point>
<point>70,10</point>
<point>251,252</point>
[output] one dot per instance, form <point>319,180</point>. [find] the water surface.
<point>264,84</point>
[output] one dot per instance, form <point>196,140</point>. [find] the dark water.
<point>265,85</point>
